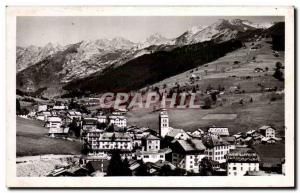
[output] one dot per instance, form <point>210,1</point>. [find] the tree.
<point>142,170</point>
<point>207,103</point>
<point>110,128</point>
<point>278,73</point>
<point>205,167</point>
<point>165,171</point>
<point>74,127</point>
<point>18,107</point>
<point>117,167</point>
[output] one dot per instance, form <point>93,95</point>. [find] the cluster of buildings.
<point>229,155</point>
<point>102,134</point>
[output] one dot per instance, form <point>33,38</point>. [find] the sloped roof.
<point>265,127</point>
<point>174,132</point>
<point>189,146</point>
<point>54,119</point>
<point>213,140</point>
<point>151,137</point>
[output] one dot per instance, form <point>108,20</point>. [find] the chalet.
<point>231,140</point>
<point>197,133</point>
<point>102,119</point>
<point>269,140</point>
<point>176,134</point>
<point>42,108</point>
<point>42,116</point>
<point>267,131</point>
<point>119,121</point>
<point>89,124</point>
<point>216,148</point>
<point>240,161</point>
<point>58,131</point>
<point>60,107</point>
<point>152,156</point>
<point>251,133</point>
<point>220,131</point>
<point>53,122</point>
<point>74,115</point>
<point>187,154</point>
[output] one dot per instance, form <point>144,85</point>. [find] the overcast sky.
<point>65,30</point>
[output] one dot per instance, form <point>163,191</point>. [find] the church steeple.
<point>163,123</point>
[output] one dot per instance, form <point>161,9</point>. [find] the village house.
<point>216,148</point>
<point>240,161</point>
<point>119,121</point>
<point>89,124</point>
<point>101,143</point>
<point>102,118</point>
<point>53,122</point>
<point>151,143</point>
<point>42,116</point>
<point>220,131</point>
<point>58,131</point>
<point>267,131</point>
<point>231,140</point>
<point>187,154</point>
<point>152,156</point>
<point>60,107</point>
<point>176,134</point>
<point>74,115</point>
<point>42,108</point>
<point>151,151</point>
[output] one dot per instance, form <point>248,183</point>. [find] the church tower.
<point>163,123</point>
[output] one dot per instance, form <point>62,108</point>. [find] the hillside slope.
<point>151,68</point>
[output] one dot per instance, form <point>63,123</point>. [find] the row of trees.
<point>119,167</point>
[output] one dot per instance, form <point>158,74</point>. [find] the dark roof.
<point>213,140</point>
<point>188,146</point>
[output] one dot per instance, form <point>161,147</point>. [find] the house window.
<point>161,156</point>
<point>234,168</point>
<point>146,156</point>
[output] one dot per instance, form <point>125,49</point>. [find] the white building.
<point>151,151</point>
<point>176,134</point>
<point>60,107</point>
<point>100,143</point>
<point>220,131</point>
<point>42,108</point>
<point>74,115</point>
<point>42,116</point>
<point>102,119</point>
<point>53,122</point>
<point>152,156</point>
<point>119,121</point>
<point>267,131</point>
<point>240,161</point>
<point>163,123</point>
<point>216,148</point>
<point>187,154</point>
<point>151,143</point>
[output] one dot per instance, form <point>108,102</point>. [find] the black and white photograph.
<point>158,96</point>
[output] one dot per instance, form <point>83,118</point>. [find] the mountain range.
<point>53,67</point>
